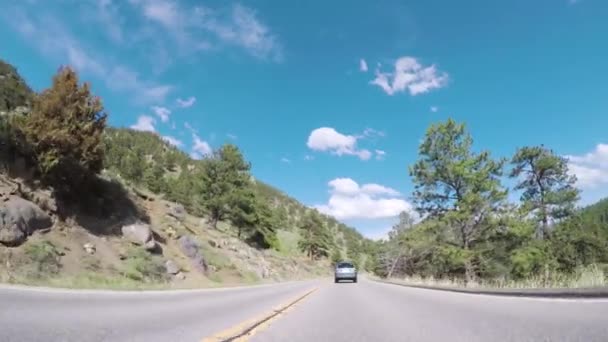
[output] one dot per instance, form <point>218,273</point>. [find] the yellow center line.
<point>241,332</point>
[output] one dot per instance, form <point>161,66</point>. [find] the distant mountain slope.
<point>14,92</point>
<point>145,159</point>
<point>597,212</point>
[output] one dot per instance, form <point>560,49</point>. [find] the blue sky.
<point>329,100</point>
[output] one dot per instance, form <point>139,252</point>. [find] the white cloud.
<point>252,34</point>
<point>348,200</point>
<point>232,136</point>
<point>409,75</point>
<point>373,133</point>
<point>194,27</point>
<point>173,141</point>
<point>162,112</point>
<point>144,123</point>
<point>327,139</point>
<point>308,157</point>
<point>52,38</point>
<point>163,11</point>
<point>378,234</point>
<point>108,14</point>
<point>200,148</point>
<point>285,160</point>
<point>187,102</point>
<point>380,154</point>
<point>591,169</point>
<point>434,109</point>
<point>362,65</point>
<point>189,127</point>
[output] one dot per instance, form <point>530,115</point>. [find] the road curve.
<point>28,314</point>
<point>372,311</point>
<point>367,311</point>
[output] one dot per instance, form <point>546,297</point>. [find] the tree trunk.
<point>542,232</point>
<point>213,220</point>
<point>469,273</point>
<point>390,272</point>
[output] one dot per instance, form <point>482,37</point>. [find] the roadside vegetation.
<point>468,234</point>
<point>58,141</point>
<point>465,231</point>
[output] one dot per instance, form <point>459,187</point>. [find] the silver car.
<point>345,271</point>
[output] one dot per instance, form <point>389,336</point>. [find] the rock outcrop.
<point>190,247</point>
<point>19,218</point>
<point>140,234</point>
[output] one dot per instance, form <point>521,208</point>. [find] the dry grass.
<point>584,277</point>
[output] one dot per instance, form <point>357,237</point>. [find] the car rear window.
<point>345,265</point>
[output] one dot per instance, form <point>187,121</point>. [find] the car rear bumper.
<point>345,276</point>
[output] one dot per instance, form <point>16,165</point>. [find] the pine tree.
<point>458,186</point>
<point>548,190</point>
<point>65,131</point>
<point>315,240</point>
<point>223,173</point>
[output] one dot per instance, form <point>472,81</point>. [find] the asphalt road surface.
<point>366,311</point>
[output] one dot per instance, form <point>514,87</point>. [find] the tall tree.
<point>315,240</point>
<point>65,131</point>
<point>548,190</point>
<point>396,248</point>
<point>154,177</point>
<point>223,173</point>
<point>458,186</point>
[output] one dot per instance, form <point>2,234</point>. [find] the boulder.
<point>45,200</point>
<point>214,244</point>
<point>89,248</point>
<point>171,267</point>
<point>19,218</point>
<point>190,247</point>
<point>139,234</point>
<point>180,276</point>
<point>177,211</point>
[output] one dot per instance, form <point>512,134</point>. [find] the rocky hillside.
<point>14,92</point>
<point>146,214</point>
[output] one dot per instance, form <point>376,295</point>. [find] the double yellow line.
<point>241,332</point>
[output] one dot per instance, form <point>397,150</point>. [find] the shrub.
<point>42,260</point>
<point>142,266</point>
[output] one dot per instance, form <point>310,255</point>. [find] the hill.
<point>14,92</point>
<point>131,210</point>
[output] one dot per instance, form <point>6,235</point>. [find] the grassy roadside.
<point>585,277</point>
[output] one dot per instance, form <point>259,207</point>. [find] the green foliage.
<point>548,190</point>
<point>145,267</point>
<point>64,132</point>
<point>154,178</point>
<point>336,256</point>
<point>459,187</point>
<point>533,258</point>
<point>221,175</point>
<point>469,232</point>
<point>316,241</point>
<point>14,92</point>
<point>43,260</point>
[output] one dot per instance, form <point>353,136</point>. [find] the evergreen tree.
<point>65,130</point>
<point>458,186</point>
<point>548,190</point>
<point>315,240</point>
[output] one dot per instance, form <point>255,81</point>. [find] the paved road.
<point>370,311</point>
<point>367,311</point>
<point>89,316</point>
